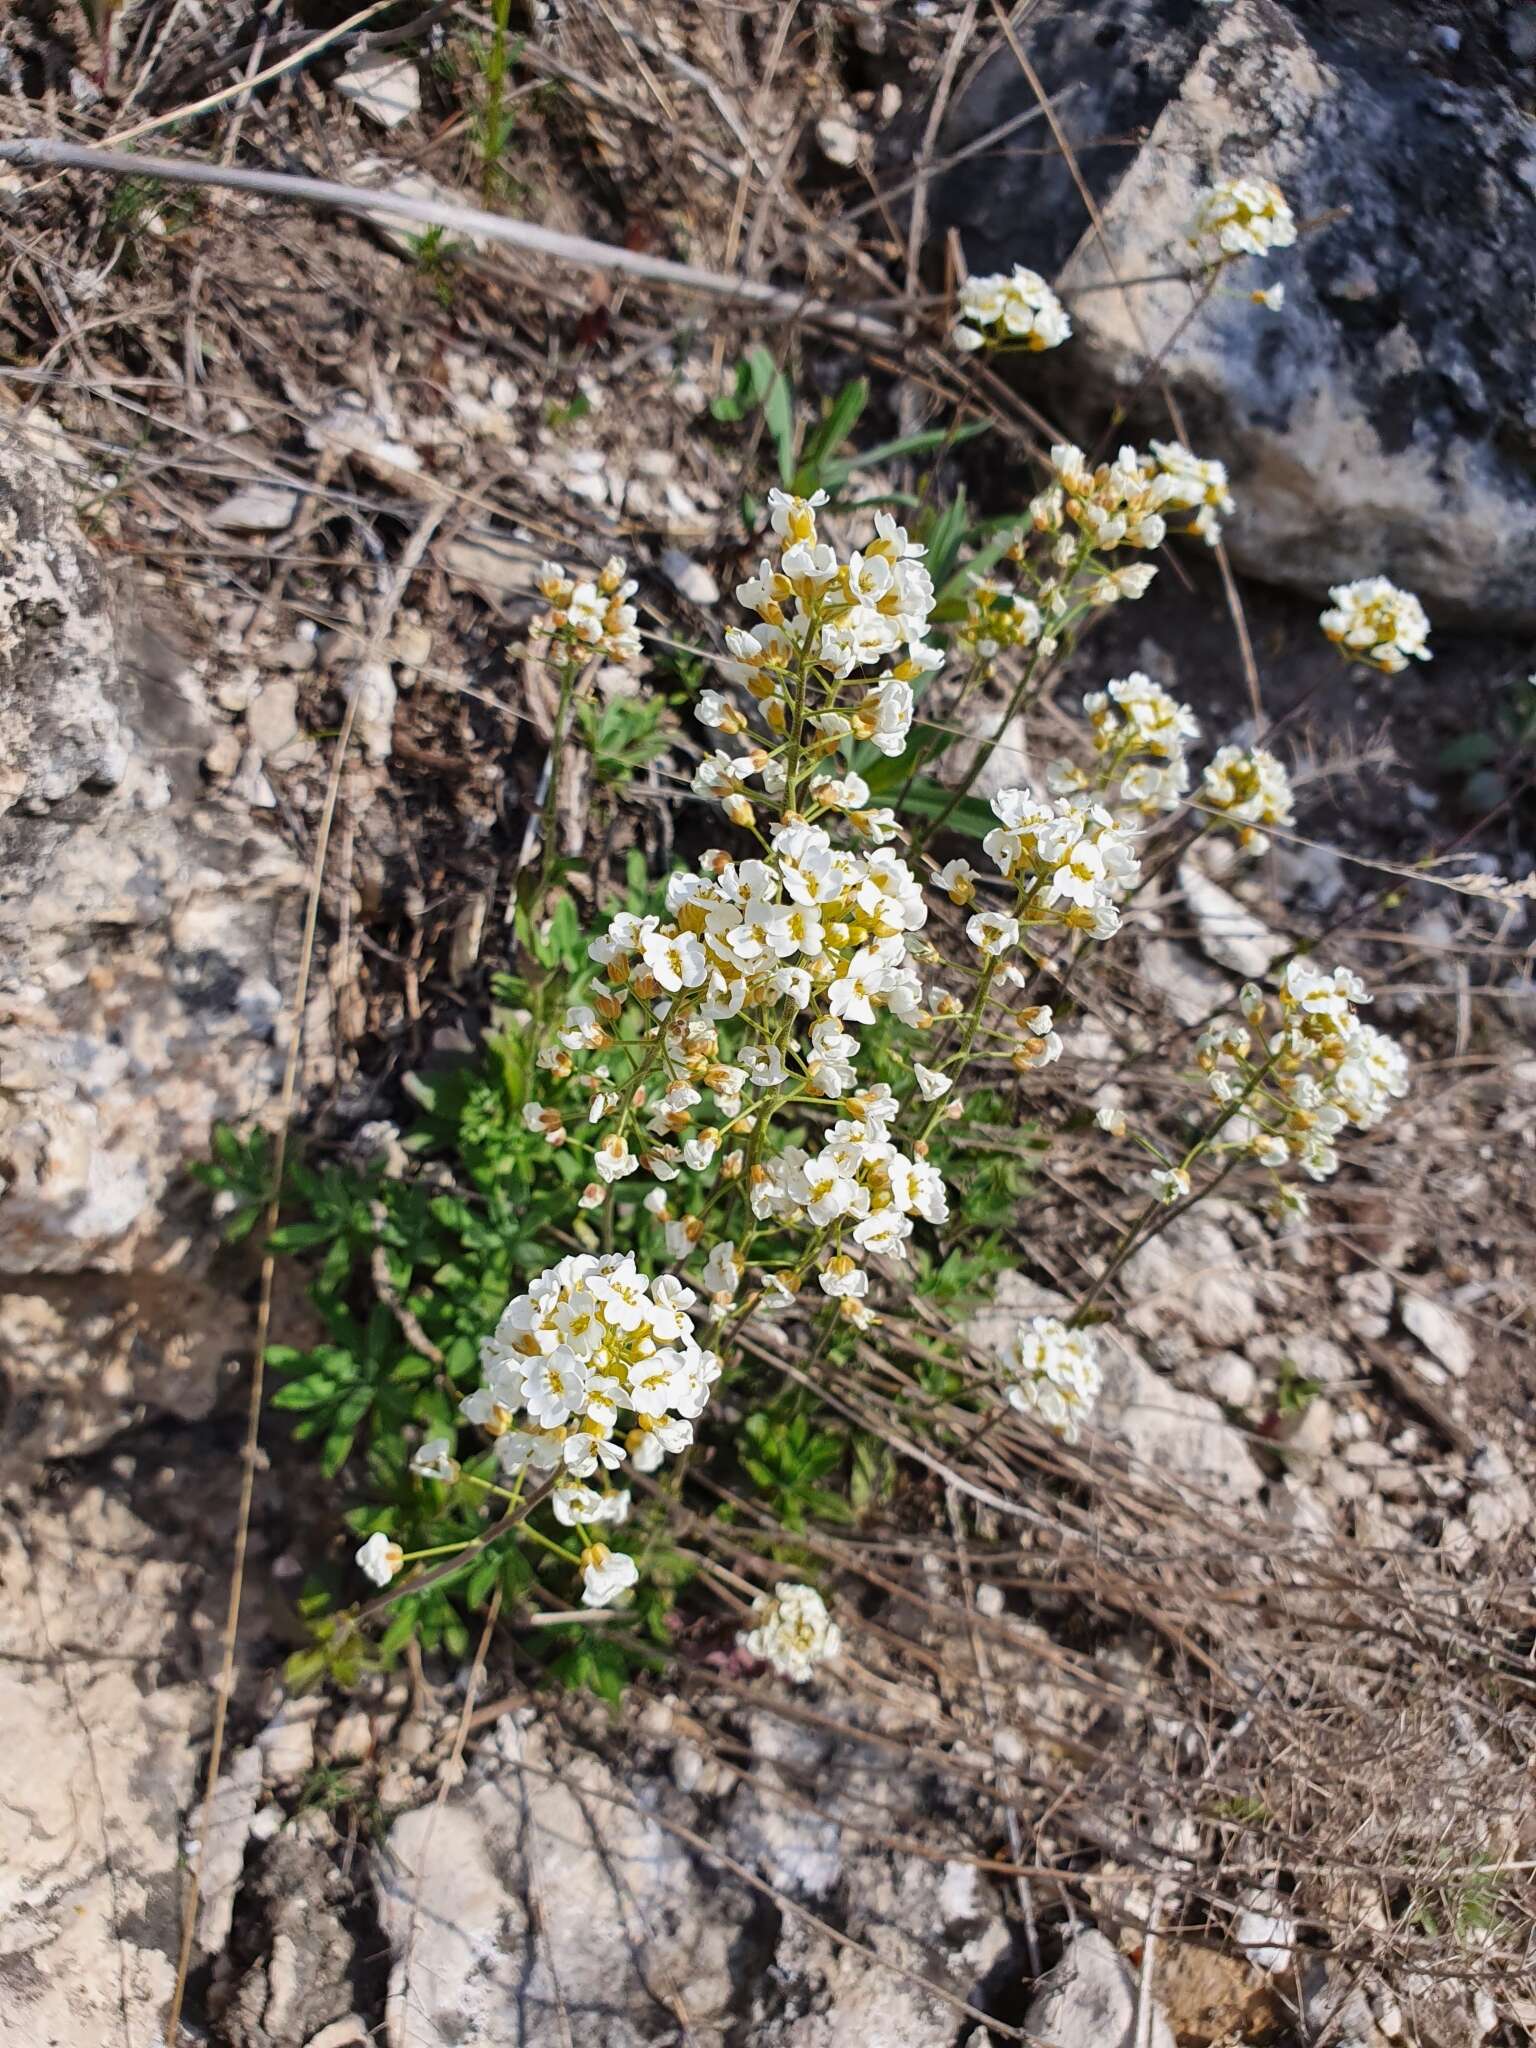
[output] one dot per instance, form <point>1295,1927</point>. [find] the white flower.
<point>931,1084</point>
<point>1053,1373</point>
<point>958,879</point>
<point>605,1574</point>
<point>432,1461</point>
<point>1014,309</point>
<point>614,1160</point>
<point>792,1631</point>
<point>722,1272</point>
<point>1272,296</point>
<point>1169,1183</point>
<point>1376,623</point>
<point>1248,787</point>
<point>1242,217</point>
<point>992,933</point>
<point>1110,1119</point>
<point>380,1558</point>
<point>843,1279</point>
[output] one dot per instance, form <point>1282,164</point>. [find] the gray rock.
<point>102,1741</point>
<point>1229,932</point>
<point>140,915</point>
<point>258,508</point>
<point>61,723</point>
<point>1089,2000</point>
<point>1390,403</point>
<point>1443,1335</point>
<point>1174,1434</point>
<point>1193,1276</point>
<point>624,1923</point>
<point>299,1982</point>
<point>1309,1356</point>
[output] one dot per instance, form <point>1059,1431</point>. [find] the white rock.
<point>102,1761</point>
<point>1443,1335</point>
<point>621,1906</point>
<point>1192,990</point>
<point>1229,932</point>
<point>351,1740</point>
<point>1174,1434</point>
<point>376,700</point>
<point>1457,1543</point>
<point>1226,1376</point>
<point>689,577</point>
<point>1264,1931</point>
<point>272,719</point>
<point>1192,1274</point>
<point>136,904</point>
<point>1490,1517</point>
<point>287,1746</point>
<point>384,87</point>
<point>838,140</point>
<point>506,567</point>
<point>1089,2000</point>
<point>258,508</point>
<point>351,2031</point>
<point>1308,1355</point>
<point>221,1856</point>
<point>374,440</point>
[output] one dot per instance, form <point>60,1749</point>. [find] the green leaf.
<point>298,1237</point>
<point>837,474</point>
<point>335,1451</point>
<point>841,417</point>
<point>779,416</point>
<point>970,816</point>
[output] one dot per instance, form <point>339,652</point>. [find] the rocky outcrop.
<point>141,957</point>
<point>1383,422</point>
<point>104,1711</point>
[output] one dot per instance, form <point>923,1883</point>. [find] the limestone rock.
<point>624,1925</point>
<point>1176,1435</point>
<point>102,1735</point>
<point>143,944</point>
<point>1193,1276</point>
<point>1390,403</point>
<point>1089,2000</point>
<point>291,1977</point>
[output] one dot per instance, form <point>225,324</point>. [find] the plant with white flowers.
<point>792,1631</point>
<point>1376,623</point>
<point>1241,217</point>
<point>711,1086</point>
<point>1053,1372</point>
<point>1013,309</point>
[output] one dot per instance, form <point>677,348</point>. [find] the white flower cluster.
<point>1069,860</point>
<point>1242,217</point>
<point>857,1190</point>
<point>792,1631</point>
<point>1010,309</point>
<point>1303,1068</point>
<point>1247,788</point>
<point>822,622</point>
<point>590,1340</point>
<point>1140,734</point>
<point>1376,623</point>
<point>1127,502</point>
<point>589,617</point>
<point>1198,485</point>
<point>996,619</point>
<point>1053,1372</point>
